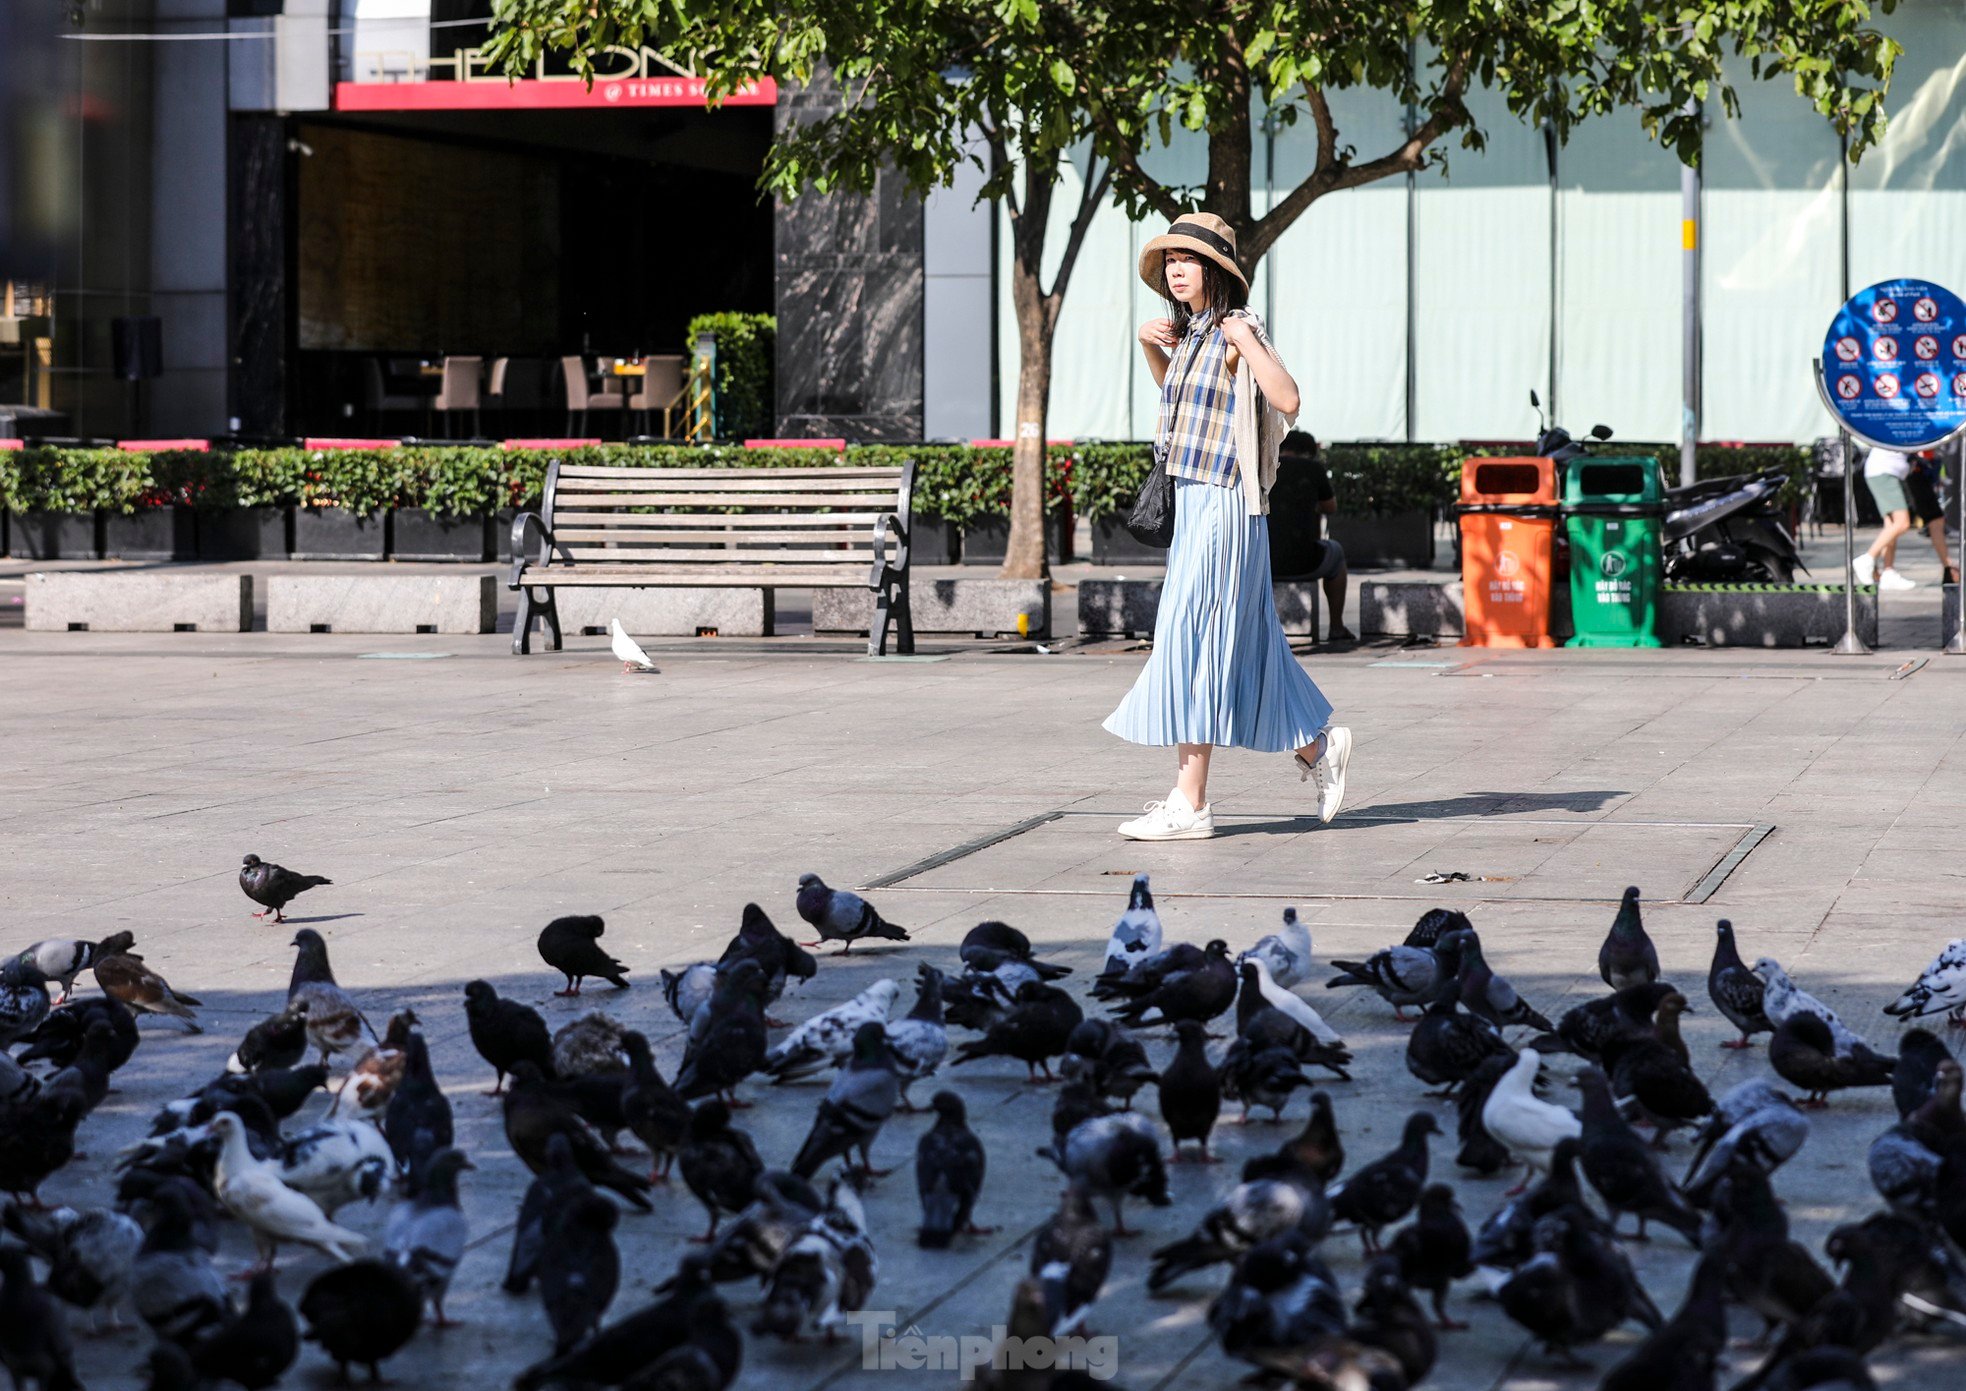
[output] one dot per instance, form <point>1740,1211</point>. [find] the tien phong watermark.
<point>968,1355</point>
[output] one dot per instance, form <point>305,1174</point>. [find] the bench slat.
<point>662,480</point>
<point>759,555</point>
<point>869,475</point>
<point>775,502</point>
<point>713,521</point>
<point>738,576</point>
<point>850,536</point>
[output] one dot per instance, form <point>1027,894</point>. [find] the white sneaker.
<point>1891,579</point>
<point>1865,567</point>
<point>1329,771</point>
<point>1172,819</point>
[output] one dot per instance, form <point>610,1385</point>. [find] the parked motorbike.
<point>1554,442</point>
<point>1730,531</point>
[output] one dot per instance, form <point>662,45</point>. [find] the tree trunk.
<point>1024,552</point>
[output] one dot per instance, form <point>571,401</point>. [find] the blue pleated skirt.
<point>1221,671</point>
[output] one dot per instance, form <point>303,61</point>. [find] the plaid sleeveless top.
<point>1195,434</point>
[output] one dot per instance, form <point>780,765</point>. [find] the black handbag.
<point>1152,519</point>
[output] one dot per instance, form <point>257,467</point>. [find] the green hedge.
<point>957,482</point>
<point>746,385</point>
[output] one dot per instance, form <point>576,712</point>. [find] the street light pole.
<point>1689,314</point>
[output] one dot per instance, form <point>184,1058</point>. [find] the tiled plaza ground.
<point>460,798</point>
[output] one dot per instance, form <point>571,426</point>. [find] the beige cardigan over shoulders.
<point>1259,427</point>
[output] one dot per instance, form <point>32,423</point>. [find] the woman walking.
<point>1222,672</point>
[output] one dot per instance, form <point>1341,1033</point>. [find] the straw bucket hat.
<point>1205,234</point>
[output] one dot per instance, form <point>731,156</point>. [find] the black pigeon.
<point>505,1031</point>
<point>778,956</point>
<point>34,1343</point>
<point>1481,1151</point>
<point>1200,993</point>
<point>1115,1157</point>
<point>417,1121</point>
<point>1146,974</point>
<point>1628,957</point>
<point>1684,1352</point>
<point>988,946</point>
<point>1489,996</point>
<point>1576,1288</point>
<point>1190,1090</point>
<point>174,1286</point>
<point>634,1342</point>
<point>707,1359</point>
<point>1449,1045</point>
<point>1803,1054</point>
<point>572,946</point>
<point>558,1185</point>
<point>1075,1239</point>
<point>1282,1295</point>
<point>1435,924</point>
<point>949,1168</point>
<point>255,1346</point>
<point>1917,1074</point>
<point>1506,1239</point>
<point>1655,1085</point>
<point>839,916</point>
<point>1595,1025</point>
<point>535,1113</point>
<point>1436,1249</point>
<point>651,1108</point>
<point>58,1039</point>
<point>274,886</point>
<point>1623,1169</point>
<point>1276,1197</point>
<point>1384,1191</point>
<point>1036,1030</point>
<point>362,1313</point>
<point>719,1163</point>
<point>727,1036</point>
<point>1316,1150</point>
<point>279,1040</point>
<point>38,1137</point>
<point>1077,1100</point>
<point>1257,1074</point>
<point>1761,1266</point>
<point>1387,1317</point>
<point>170,1369</point>
<point>579,1268</point>
<point>864,1094</point>
<point>1735,990</point>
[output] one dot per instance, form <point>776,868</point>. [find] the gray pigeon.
<point>89,1254</point>
<point>1489,996</point>
<point>1402,976</point>
<point>579,1268</point>
<point>727,1036</point>
<point>919,1040</point>
<point>178,1292</point>
<point>1754,1122</point>
<point>23,999</point>
<point>1628,957</point>
<point>61,959</point>
<point>864,1094</point>
<point>1115,1157</point>
<point>273,887</point>
<point>689,989</point>
<point>426,1234</point>
<point>34,1343</point>
<point>1286,954</point>
<point>839,916</point>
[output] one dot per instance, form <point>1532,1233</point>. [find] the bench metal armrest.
<point>522,554</point>
<point>884,523</point>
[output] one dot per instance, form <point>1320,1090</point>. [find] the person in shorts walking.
<point>1901,490</point>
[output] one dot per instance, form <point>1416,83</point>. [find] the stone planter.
<point>244,533</point>
<point>150,533</point>
<point>974,608</point>
<point>1403,540</point>
<point>54,536</point>
<point>985,538</point>
<point>1113,544</point>
<point>334,533</point>
<point>418,534</point>
<point>502,532</point>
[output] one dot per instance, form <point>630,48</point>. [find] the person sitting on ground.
<point>1300,450</point>
<point>1899,490</point>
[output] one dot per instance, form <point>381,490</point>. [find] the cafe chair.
<point>662,390</point>
<point>581,400</point>
<point>378,399</point>
<point>460,391</point>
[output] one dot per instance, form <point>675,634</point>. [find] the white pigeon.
<point>1783,998</point>
<point>626,650</point>
<point>1292,1006</point>
<point>1136,936</point>
<point>252,1190</point>
<point>338,1162</point>
<point>61,960</point>
<point>1521,1122</point>
<point>1286,953</point>
<point>1940,988</point>
<point>826,1040</point>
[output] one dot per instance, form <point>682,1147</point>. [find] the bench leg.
<point>551,610</point>
<point>542,610</point>
<point>904,623</point>
<point>877,628</point>
<point>522,625</point>
<point>891,606</point>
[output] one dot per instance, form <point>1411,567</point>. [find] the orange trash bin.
<point>1508,535</point>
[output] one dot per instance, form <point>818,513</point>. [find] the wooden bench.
<point>751,528</point>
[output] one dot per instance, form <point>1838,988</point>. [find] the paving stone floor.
<point>460,798</point>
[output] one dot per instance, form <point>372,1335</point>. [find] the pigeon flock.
<point>319,1116</point>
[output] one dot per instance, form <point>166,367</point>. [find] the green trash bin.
<point>1613,511</point>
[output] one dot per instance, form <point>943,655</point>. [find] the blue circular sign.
<point>1894,364</point>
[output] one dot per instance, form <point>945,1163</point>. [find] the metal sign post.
<point>1893,373</point>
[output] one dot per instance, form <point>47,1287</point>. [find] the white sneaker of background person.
<point>1173,819</point>
<point>1891,579</point>
<point>1865,567</point>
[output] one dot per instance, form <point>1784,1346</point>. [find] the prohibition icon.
<point>1886,384</point>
